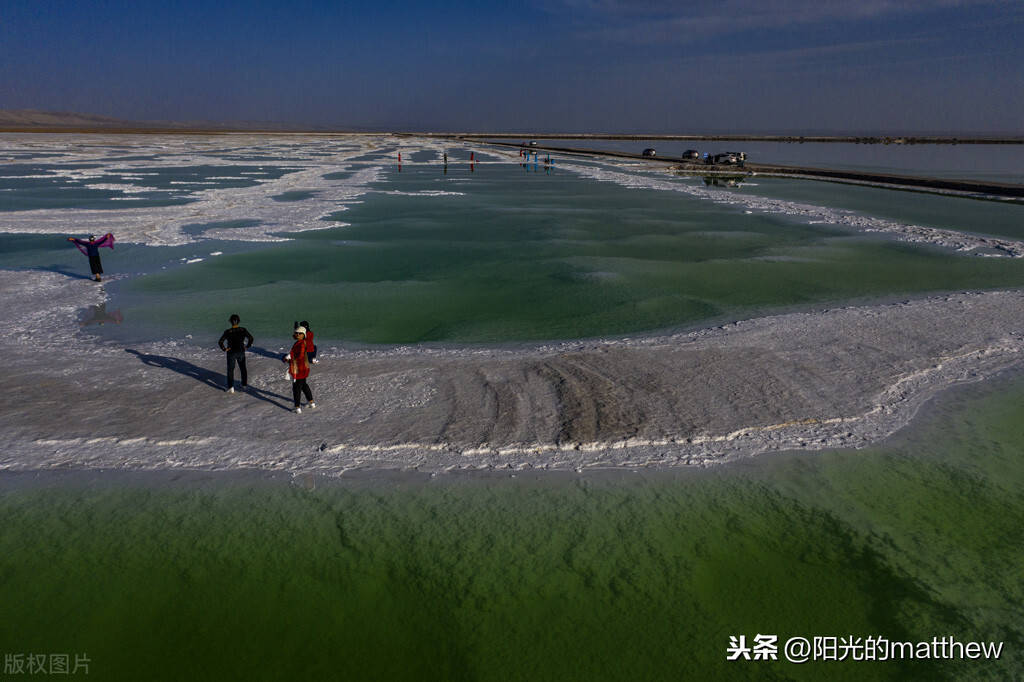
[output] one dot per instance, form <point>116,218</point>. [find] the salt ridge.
<point>960,241</point>
<point>437,399</point>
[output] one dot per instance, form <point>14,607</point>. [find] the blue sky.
<point>560,65</point>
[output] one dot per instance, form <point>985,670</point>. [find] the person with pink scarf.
<point>91,249</point>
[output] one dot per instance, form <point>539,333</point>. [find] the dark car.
<point>691,155</point>
<point>649,152</point>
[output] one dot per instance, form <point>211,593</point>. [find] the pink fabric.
<point>106,240</point>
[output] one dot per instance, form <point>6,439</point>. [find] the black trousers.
<point>300,387</point>
<point>95,265</point>
<point>239,357</point>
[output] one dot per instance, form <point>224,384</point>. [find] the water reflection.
<point>724,180</point>
<point>535,164</point>
<point>98,314</point>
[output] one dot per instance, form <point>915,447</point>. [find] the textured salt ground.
<point>960,241</point>
<point>845,377</point>
<point>313,164</point>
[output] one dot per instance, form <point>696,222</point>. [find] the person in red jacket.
<point>298,369</point>
<point>310,346</point>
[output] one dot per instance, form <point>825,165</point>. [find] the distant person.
<point>234,341</point>
<point>310,346</point>
<point>298,369</point>
<point>91,248</point>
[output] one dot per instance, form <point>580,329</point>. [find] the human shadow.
<point>264,353</point>
<point>61,271</point>
<point>267,397</point>
<point>200,374</point>
<point>205,376</point>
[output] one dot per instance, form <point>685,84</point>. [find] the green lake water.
<point>631,576</point>
<point>991,217</point>
<point>527,255</point>
<point>624,576</point>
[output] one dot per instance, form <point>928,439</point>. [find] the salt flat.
<point>842,377</point>
<point>832,375</point>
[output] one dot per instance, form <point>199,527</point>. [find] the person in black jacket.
<point>234,341</point>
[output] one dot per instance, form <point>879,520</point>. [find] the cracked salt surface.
<point>164,225</point>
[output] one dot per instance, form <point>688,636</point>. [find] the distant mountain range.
<point>29,118</point>
<point>32,120</point>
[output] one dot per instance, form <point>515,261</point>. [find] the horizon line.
<point>790,137</point>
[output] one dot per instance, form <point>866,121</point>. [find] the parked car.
<point>649,152</point>
<point>691,155</point>
<point>730,158</point>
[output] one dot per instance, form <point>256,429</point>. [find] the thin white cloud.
<point>664,20</point>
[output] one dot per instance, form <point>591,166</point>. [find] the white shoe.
<point>231,390</point>
<point>297,410</point>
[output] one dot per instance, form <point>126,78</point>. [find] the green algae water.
<point>631,576</point>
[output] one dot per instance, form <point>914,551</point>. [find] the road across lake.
<point>972,188</point>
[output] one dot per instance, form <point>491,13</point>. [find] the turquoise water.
<point>610,577</point>
<point>532,256</point>
<point>95,186</point>
<point>484,253</point>
<point>525,256</point>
